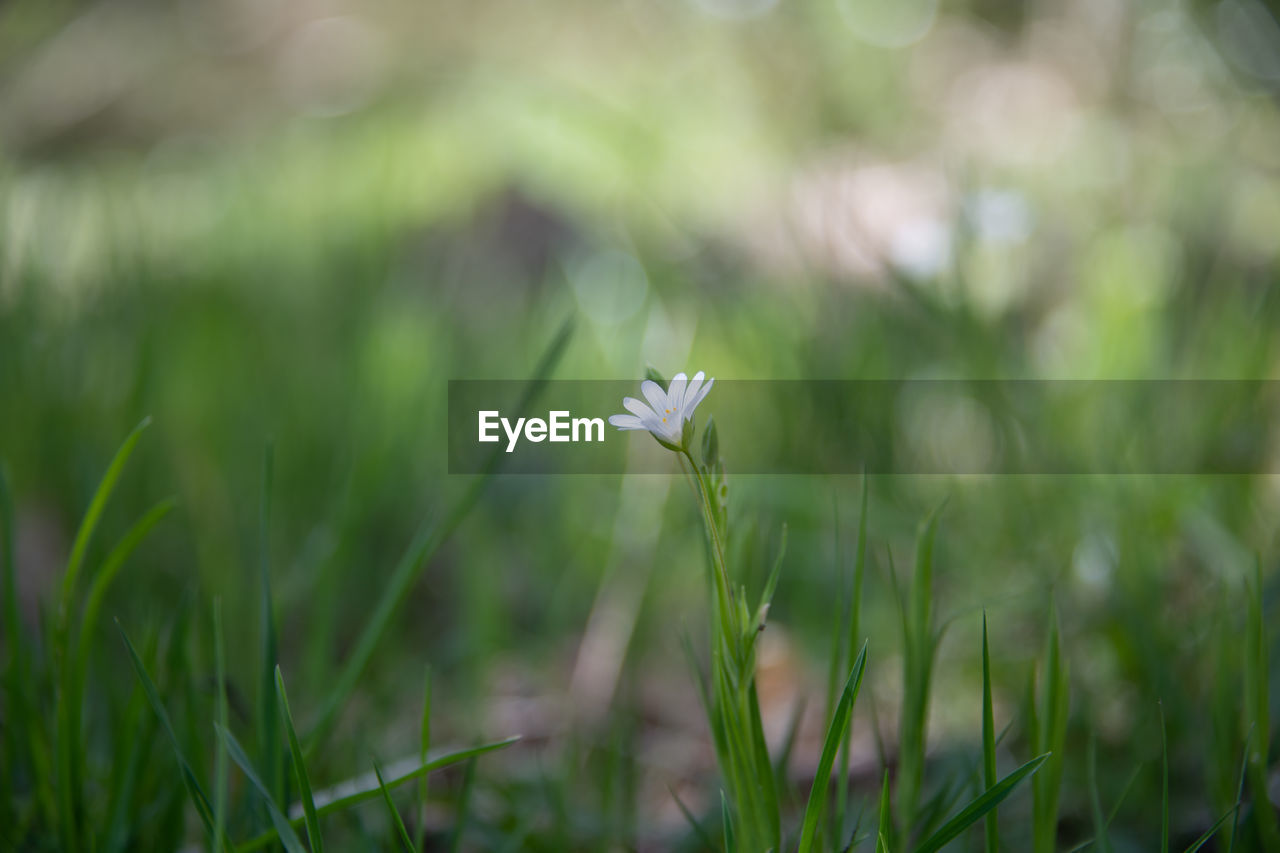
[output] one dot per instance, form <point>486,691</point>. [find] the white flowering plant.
<point>752,815</point>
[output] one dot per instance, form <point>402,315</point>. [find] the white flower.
<point>667,411</point>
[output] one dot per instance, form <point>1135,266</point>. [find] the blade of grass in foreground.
<point>854,635</point>
<point>392,811</point>
<point>189,780</point>
<point>988,741</point>
<point>692,821</point>
<point>835,736</point>
<point>220,756</point>
<point>980,806</point>
<point>98,503</point>
<point>464,804</point>
<point>16,696</point>
<point>1233,812</point>
<point>1102,841</point>
<point>68,755</point>
<point>1257,705</point>
<point>110,568</point>
<point>729,844</point>
<point>284,830</point>
<point>268,725</point>
<point>1164,784</point>
<point>353,793</point>
<point>424,746</point>
<point>299,768</point>
<point>885,829</point>
<point>1048,716</point>
<point>423,547</point>
<point>919,647</point>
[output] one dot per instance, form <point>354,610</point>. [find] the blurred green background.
<point>288,223</point>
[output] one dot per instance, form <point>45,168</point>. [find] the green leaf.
<point>371,792</point>
<point>284,829</point>
<point>464,804</point>
<point>651,373</point>
<point>68,752</point>
<point>1164,785</point>
<point>18,685</point>
<point>729,845</point>
<point>108,572</point>
<point>885,829</point>
<point>299,767</point>
<point>835,734</point>
<point>771,585</point>
<point>692,821</point>
<point>268,724</point>
<point>396,820</point>
<point>988,740</point>
<point>1211,831</point>
<point>99,502</point>
<point>1100,835</point>
<point>424,746</point>
<point>980,806</point>
<point>220,755</point>
<point>189,781</point>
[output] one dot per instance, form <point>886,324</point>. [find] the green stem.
<point>713,530</point>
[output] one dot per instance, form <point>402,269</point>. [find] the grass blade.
<point>988,741</point>
<point>300,768</point>
<point>189,780</point>
<point>692,821</point>
<point>464,804</point>
<point>727,821</point>
<point>111,567</point>
<point>885,830</point>
<point>220,756</point>
<point>424,746</point>
<point>396,820</point>
<point>980,806</point>
<point>284,829</point>
<point>68,752</point>
<point>1048,713</point>
<point>855,631</point>
<point>96,505</point>
<point>835,735</point>
<point>1257,705</point>
<point>1210,832</point>
<point>1164,785</point>
<point>17,698</point>
<point>1100,836</point>
<point>919,646</point>
<point>354,793</point>
<point>771,585</point>
<point>1244,767</point>
<point>268,725</point>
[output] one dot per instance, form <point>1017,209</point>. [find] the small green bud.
<point>710,444</point>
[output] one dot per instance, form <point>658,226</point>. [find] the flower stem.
<point>713,531</point>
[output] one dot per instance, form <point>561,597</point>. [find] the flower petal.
<point>655,395</point>
<point>691,390</point>
<point>627,422</point>
<point>675,391</point>
<point>635,407</point>
<point>702,392</point>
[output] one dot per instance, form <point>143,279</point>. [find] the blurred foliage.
<point>293,222</point>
